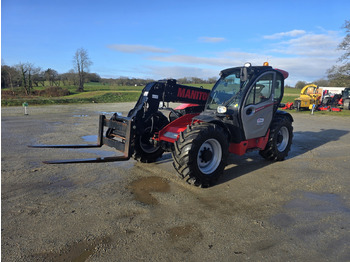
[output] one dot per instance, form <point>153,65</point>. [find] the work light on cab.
<point>221,109</point>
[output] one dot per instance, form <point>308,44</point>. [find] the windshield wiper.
<point>225,103</point>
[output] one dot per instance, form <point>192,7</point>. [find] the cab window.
<point>278,88</point>
<point>261,90</point>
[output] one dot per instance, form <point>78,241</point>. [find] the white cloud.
<point>292,33</point>
<point>306,56</point>
<point>138,49</point>
<point>222,60</point>
<point>211,39</point>
<point>161,72</point>
<point>193,60</point>
<point>310,45</point>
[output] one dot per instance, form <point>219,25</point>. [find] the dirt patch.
<point>179,232</point>
<point>144,187</point>
<point>76,252</point>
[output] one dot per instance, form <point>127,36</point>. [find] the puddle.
<point>76,252</point>
<point>183,237</point>
<point>319,221</point>
<point>80,115</point>
<point>310,208</point>
<point>180,231</point>
<point>110,113</point>
<point>143,187</point>
<point>318,203</point>
<point>90,138</point>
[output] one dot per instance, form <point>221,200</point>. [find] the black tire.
<point>144,149</point>
<point>346,104</point>
<point>200,154</point>
<point>297,105</point>
<point>280,140</point>
<point>326,101</point>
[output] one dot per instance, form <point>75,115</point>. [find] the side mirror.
<point>244,74</point>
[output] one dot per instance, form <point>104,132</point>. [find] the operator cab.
<point>245,98</point>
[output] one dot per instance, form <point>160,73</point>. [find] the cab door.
<point>258,106</point>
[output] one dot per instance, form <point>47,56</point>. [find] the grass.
<point>325,113</point>
<point>291,93</point>
<point>94,92</point>
<point>102,93</point>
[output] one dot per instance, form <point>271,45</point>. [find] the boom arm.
<point>122,131</point>
<point>167,91</point>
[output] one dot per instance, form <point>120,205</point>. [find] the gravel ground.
<point>294,210</point>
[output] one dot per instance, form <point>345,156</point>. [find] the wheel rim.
<point>145,142</point>
<point>282,139</point>
<point>209,156</point>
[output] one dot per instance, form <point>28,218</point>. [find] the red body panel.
<point>183,106</point>
<point>335,109</point>
<point>323,108</point>
<point>284,73</point>
<point>242,147</point>
<point>170,133</point>
<point>328,108</point>
<point>288,105</point>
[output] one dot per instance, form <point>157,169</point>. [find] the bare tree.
<point>300,84</point>
<point>37,76</point>
<point>9,77</point>
<point>340,75</point>
<point>69,78</point>
<point>51,75</point>
<point>28,74</point>
<point>25,70</point>
<point>345,44</point>
<point>81,63</point>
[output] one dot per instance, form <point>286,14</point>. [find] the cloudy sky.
<point>161,39</point>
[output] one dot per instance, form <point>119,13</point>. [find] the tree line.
<point>27,75</point>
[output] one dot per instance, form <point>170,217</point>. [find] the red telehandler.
<point>238,115</point>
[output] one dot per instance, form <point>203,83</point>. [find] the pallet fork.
<point>120,139</point>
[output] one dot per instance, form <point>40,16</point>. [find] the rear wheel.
<point>326,101</point>
<point>280,140</point>
<point>144,149</point>
<point>200,154</point>
<point>346,104</point>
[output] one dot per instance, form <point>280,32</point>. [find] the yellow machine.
<point>310,95</point>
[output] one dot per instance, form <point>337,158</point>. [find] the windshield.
<point>227,91</point>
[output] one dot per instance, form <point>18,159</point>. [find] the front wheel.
<point>200,154</point>
<point>280,140</point>
<point>144,149</point>
<point>297,105</point>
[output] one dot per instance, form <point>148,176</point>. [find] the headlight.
<point>221,109</point>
